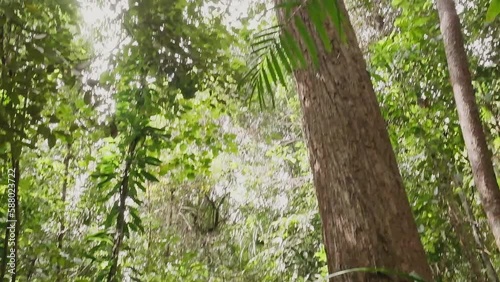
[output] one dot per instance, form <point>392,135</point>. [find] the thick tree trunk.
<point>468,114</point>
<point>365,212</point>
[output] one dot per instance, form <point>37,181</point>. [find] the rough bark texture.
<point>365,212</point>
<point>468,114</point>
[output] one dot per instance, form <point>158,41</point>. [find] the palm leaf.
<point>260,88</point>
<point>293,51</point>
<point>318,17</point>
<point>308,39</point>
<point>283,58</point>
<point>270,31</point>
<point>275,53</point>
<point>333,9</point>
<point>270,68</point>
<point>277,68</point>
<point>268,86</point>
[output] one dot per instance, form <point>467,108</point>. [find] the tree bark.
<point>365,212</point>
<point>468,115</point>
<point>120,220</point>
<point>490,270</point>
<point>466,240</point>
<point>62,225</point>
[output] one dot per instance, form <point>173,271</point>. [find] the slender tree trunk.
<point>31,269</point>
<point>120,220</point>
<point>466,239</point>
<point>150,213</point>
<point>62,225</point>
<point>490,270</point>
<point>468,114</point>
<point>169,222</point>
<point>365,212</point>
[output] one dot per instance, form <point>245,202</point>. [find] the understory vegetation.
<point>173,140</point>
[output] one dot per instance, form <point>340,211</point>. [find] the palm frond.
<point>275,53</point>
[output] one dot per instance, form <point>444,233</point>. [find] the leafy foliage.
<point>275,54</point>
<point>493,10</point>
<point>136,164</point>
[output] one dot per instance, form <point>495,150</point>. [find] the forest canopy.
<point>249,140</point>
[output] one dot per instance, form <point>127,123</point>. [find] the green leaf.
<point>149,176</point>
<point>51,139</point>
<point>277,68</point>
<point>111,215</point>
<point>268,86</point>
<point>283,58</point>
<point>260,89</point>
<point>164,169</point>
<point>35,53</point>
<point>103,182</point>
<point>287,49</point>
<point>271,71</point>
<point>251,73</point>
<point>110,194</point>
<point>263,33</point>
<point>263,41</point>
<point>397,3</point>
<point>493,11</point>
<point>152,161</point>
<point>136,220</point>
<point>333,9</point>
<point>44,130</point>
<point>306,36</point>
<point>256,51</point>
<point>102,236</point>
<point>139,184</point>
<point>254,87</point>
<point>318,18</point>
<point>254,80</point>
<point>99,174</point>
<point>183,146</point>
<point>293,51</point>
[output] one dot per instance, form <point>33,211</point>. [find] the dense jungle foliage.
<point>163,140</point>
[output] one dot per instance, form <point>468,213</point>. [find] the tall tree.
<point>366,216</point>
<point>37,45</point>
<point>468,114</point>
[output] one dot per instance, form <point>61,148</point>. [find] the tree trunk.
<point>120,219</point>
<point>62,225</point>
<point>468,114</point>
<point>490,270</point>
<point>466,239</point>
<point>365,212</point>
